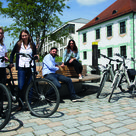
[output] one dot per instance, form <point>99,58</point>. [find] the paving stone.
<point>93,117</point>
<point>119,130</point>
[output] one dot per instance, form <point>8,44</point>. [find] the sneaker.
<point>80,77</point>
<point>75,98</point>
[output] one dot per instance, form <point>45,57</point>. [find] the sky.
<point>87,9</point>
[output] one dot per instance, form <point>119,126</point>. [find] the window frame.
<point>84,37</point>
<point>109,52</point>
<point>123,52</point>
<point>97,33</point>
<point>122,27</point>
<point>109,31</point>
<point>84,55</point>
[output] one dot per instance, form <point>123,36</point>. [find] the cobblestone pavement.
<point>89,117</point>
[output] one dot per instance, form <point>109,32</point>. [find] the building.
<point>72,26</point>
<point>113,29</point>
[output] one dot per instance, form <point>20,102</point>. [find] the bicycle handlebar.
<point>3,58</point>
<point>117,60</point>
<point>124,57</point>
<point>28,55</point>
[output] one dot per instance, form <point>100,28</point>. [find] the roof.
<point>80,20</point>
<point>118,8</point>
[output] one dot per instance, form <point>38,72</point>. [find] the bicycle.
<point>122,75</point>
<point>106,72</point>
<point>41,95</point>
<point>5,104</point>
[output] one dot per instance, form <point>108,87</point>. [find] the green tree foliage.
<point>40,17</point>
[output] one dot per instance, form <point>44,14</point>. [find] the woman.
<point>71,58</point>
<point>24,45</point>
<point>3,53</point>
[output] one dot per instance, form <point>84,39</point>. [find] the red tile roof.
<point>119,8</point>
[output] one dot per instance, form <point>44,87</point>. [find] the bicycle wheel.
<point>104,78</point>
<point>114,86</point>
<point>45,101</point>
<point>5,106</point>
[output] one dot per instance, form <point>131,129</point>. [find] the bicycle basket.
<point>131,74</point>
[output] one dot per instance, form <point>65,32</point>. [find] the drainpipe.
<point>133,40</point>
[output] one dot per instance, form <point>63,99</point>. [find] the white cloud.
<point>90,2</point>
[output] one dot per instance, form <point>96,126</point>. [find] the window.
<point>114,12</point>
<point>72,28</point>
<point>123,50</point>
<point>109,51</point>
<point>97,18</point>
<point>98,53</point>
<point>84,55</point>
<point>122,27</point>
<point>109,31</point>
<point>84,37</point>
<point>98,34</point>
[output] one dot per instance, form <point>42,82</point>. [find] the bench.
<point>66,71</point>
<point>70,72</point>
<point>15,73</point>
<point>78,84</point>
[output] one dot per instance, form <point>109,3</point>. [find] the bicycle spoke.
<point>44,102</point>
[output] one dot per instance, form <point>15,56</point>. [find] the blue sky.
<point>87,9</point>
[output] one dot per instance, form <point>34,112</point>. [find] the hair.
<point>1,40</point>
<point>20,39</point>
<point>74,48</point>
<point>53,48</point>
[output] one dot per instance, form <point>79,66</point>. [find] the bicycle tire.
<point>104,78</point>
<point>114,87</point>
<point>6,106</point>
<point>46,101</point>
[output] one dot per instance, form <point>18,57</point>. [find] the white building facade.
<point>114,35</point>
<point>74,26</point>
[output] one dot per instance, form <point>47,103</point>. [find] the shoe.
<point>80,77</point>
<point>75,98</point>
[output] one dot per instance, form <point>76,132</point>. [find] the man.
<point>49,69</point>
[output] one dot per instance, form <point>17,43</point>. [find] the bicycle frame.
<point>122,72</point>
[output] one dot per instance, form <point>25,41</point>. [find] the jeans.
<point>24,77</point>
<point>55,78</point>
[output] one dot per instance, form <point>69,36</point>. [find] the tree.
<point>40,17</point>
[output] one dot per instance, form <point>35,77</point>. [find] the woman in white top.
<point>3,53</point>
<point>24,45</point>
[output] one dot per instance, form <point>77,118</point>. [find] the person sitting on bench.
<point>48,71</point>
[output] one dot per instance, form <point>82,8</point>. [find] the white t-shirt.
<point>3,50</point>
<point>24,61</point>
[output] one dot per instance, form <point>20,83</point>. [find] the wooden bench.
<point>15,73</point>
<point>70,72</point>
<point>66,71</point>
<point>78,84</point>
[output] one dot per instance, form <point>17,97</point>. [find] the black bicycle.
<point>5,104</point>
<point>41,95</point>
